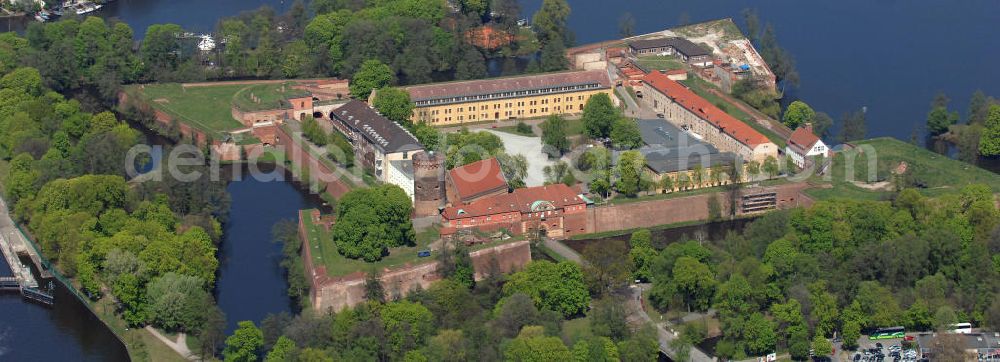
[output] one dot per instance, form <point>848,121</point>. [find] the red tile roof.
<point>735,128</point>
<point>478,178</point>
<point>521,200</point>
<point>802,139</point>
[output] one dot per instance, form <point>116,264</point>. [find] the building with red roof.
<point>687,110</point>
<point>557,209</point>
<point>477,180</point>
<point>803,145</point>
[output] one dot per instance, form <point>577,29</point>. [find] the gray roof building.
<point>377,130</point>
<point>681,45</point>
<point>669,149</point>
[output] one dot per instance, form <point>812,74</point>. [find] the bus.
<point>888,333</point>
<point>961,328</point>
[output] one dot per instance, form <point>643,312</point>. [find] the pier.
<point>12,245</point>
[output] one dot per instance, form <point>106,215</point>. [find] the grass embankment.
<point>700,87</point>
<point>325,253</point>
<point>268,96</point>
<point>207,108</point>
<point>936,174</point>
<point>657,62</point>
<point>142,345</point>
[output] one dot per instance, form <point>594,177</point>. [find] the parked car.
<point>660,115</point>
<point>424,253</point>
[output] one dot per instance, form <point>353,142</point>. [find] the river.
<point>67,331</point>
<point>251,283</point>
<point>890,56</point>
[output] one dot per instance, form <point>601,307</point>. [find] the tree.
<point>694,282</point>
<point>979,107</point>
<point>245,343</point>
<point>178,302</point>
<point>282,350</point>
<point>372,220</point>
<point>374,290</point>
<point>821,124</point>
<point>550,22</point>
<point>939,119</point>
<point>394,104</point>
<point>759,335</point>
<point>372,75</point>
<point>642,254</point>
<point>599,114</point>
<point>822,346</point>
<point>514,168</point>
<point>517,311</point>
<point>408,324</point>
<point>608,318</point>
<point>553,57</point>
<point>532,345</point>
<point>853,126</point>
<point>626,25</point>
<point>714,208</point>
<point>606,267</point>
<point>797,114</point>
<point>554,133</point>
<point>449,345</point>
<point>989,143</point>
<point>770,166</point>
<point>851,333</point>
<point>625,134</point>
<point>798,343</point>
<point>558,287</point>
<point>629,170</point>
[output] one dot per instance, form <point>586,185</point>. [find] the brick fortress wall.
<point>303,159</point>
<point>337,293</point>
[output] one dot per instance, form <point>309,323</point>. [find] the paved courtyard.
<point>531,148</point>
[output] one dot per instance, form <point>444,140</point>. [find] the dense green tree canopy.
<point>394,104</point>
<point>599,115</point>
<point>555,286</point>
<point>797,114</point>
<point>372,220</point>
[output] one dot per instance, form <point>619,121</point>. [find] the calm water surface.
<point>892,56</point>
<point>889,56</point>
<point>251,283</point>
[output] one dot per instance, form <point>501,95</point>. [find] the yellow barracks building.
<point>530,96</point>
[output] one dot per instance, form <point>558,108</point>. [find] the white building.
<point>803,145</point>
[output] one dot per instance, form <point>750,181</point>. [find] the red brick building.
<point>477,180</point>
<point>557,210</point>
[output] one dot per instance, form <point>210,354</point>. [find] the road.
<point>666,336</point>
<point>636,311</point>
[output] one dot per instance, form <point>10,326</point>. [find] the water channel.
<point>888,56</point>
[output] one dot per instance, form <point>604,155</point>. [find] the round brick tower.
<point>428,183</point>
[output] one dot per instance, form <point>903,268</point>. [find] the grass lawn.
<point>269,96</point>
<point>574,127</point>
<point>513,130</point>
<point>656,62</point>
<point>325,253</point>
<point>700,87</point>
<point>206,108</point>
<point>937,173</point>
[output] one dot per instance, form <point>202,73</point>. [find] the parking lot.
<point>885,350</point>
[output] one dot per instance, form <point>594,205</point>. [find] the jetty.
<point>13,244</point>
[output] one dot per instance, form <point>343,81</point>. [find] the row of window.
<point>503,95</point>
